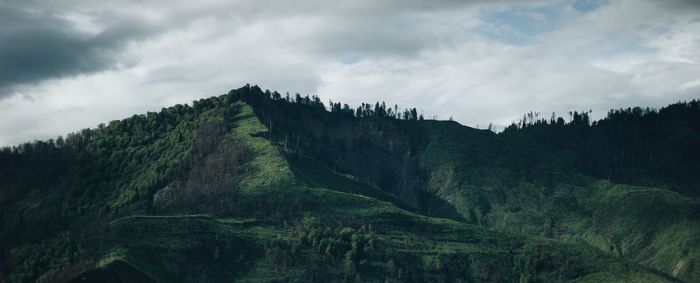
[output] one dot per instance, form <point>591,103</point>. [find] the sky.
<point>68,65</point>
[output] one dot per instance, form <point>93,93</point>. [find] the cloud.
<point>35,47</point>
<point>43,41</point>
<point>66,65</point>
<point>619,54</point>
<point>60,39</point>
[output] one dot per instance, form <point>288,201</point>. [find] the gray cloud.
<point>37,44</point>
<point>36,47</point>
<point>69,64</point>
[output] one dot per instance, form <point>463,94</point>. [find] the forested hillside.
<point>638,146</point>
<point>256,186</point>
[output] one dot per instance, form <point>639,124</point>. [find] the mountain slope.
<point>508,182</point>
<point>219,192</point>
<point>656,227</point>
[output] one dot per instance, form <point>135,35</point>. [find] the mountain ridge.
<point>265,169</point>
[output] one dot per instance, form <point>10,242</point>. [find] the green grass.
<point>268,166</point>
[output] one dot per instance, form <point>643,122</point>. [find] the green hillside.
<point>655,227</point>
<point>253,187</point>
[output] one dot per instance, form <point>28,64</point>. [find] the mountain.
<point>252,186</point>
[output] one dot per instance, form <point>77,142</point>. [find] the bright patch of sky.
<point>586,6</point>
<point>520,24</point>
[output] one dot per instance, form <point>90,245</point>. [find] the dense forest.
<point>256,186</point>
<point>637,145</point>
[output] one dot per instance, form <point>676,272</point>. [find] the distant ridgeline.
<point>253,185</point>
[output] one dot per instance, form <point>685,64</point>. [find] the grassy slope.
<point>477,174</point>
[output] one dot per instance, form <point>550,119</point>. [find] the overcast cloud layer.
<point>66,65</point>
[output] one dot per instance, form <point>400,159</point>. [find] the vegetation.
<point>638,146</point>
<point>252,186</point>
